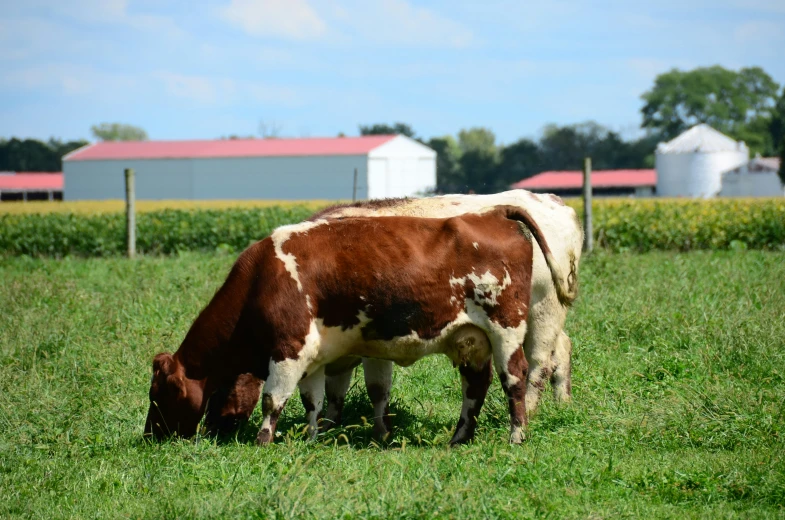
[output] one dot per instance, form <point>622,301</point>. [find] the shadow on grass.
<point>416,426</point>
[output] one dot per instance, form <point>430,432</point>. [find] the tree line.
<point>746,104</point>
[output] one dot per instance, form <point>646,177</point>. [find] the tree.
<point>270,130</point>
<point>479,160</point>
<point>118,132</point>
<point>519,161</point>
<point>564,148</point>
<point>385,129</point>
<point>777,131</point>
<point>449,176</point>
<point>736,103</point>
<point>33,155</point>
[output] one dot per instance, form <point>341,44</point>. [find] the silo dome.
<point>692,164</point>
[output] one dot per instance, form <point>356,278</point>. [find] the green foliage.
<point>385,129</point>
<point>671,224</point>
<point>777,129</point>
<point>449,176</point>
<point>479,159</point>
<point>19,155</point>
<point>519,160</point>
<point>736,103</point>
<point>158,232</point>
<point>678,387</point>
<point>619,225</point>
<point>118,132</point>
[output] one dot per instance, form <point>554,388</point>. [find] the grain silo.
<point>692,164</point>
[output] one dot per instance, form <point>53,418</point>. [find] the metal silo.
<point>692,164</point>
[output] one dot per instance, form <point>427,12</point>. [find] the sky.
<point>192,69</point>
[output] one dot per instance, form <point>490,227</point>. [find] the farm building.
<point>640,183</point>
<point>692,164</point>
<point>286,169</point>
<point>31,186</point>
<point>757,178</point>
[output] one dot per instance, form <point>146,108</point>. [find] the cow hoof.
<point>517,437</point>
<point>264,437</point>
<point>381,434</point>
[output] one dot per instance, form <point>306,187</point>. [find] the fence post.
<point>354,186</point>
<point>588,244</point>
<point>130,211</point>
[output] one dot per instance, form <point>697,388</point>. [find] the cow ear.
<point>163,363</point>
<point>176,381</point>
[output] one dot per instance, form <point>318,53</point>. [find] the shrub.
<point>675,224</point>
<point>619,225</point>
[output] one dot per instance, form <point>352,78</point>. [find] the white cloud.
<point>398,22</point>
<point>385,22</point>
<point>290,19</point>
<point>197,88</point>
<point>100,12</point>
<point>69,79</point>
<point>760,34</point>
<point>207,90</point>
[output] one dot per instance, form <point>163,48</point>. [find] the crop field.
<point>98,207</point>
<point>678,412</point>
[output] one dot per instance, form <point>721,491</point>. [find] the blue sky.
<point>202,69</point>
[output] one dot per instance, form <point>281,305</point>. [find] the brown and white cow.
<point>548,349</point>
<point>395,288</point>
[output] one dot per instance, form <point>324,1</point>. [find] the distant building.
<point>757,178</point>
<point>286,169</point>
<point>31,186</point>
<point>609,183</point>
<point>692,164</point>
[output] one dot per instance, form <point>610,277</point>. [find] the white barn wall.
<point>401,167</point>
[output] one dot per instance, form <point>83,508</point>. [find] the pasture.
<point>679,411</point>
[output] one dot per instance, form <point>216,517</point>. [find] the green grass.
<point>678,384</point>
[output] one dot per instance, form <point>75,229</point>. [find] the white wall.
<point>401,167</point>
<point>741,183</point>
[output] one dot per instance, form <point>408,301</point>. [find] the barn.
<point>604,183</point>
<point>31,186</point>
<point>281,169</point>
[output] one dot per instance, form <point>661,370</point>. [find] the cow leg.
<point>512,368</point>
<point>378,382</point>
<point>338,380</point>
<point>475,383</point>
<point>336,386</point>
<point>232,404</point>
<point>561,380</point>
<point>280,385</point>
<point>546,321</point>
<point>312,396</point>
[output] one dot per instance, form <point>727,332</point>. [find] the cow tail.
<point>566,286</point>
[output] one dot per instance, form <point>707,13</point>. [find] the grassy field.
<point>678,383</point>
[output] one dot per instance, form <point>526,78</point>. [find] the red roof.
<point>32,182</point>
<point>228,148</point>
<point>599,179</point>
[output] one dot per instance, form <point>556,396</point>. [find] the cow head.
<point>176,402</point>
